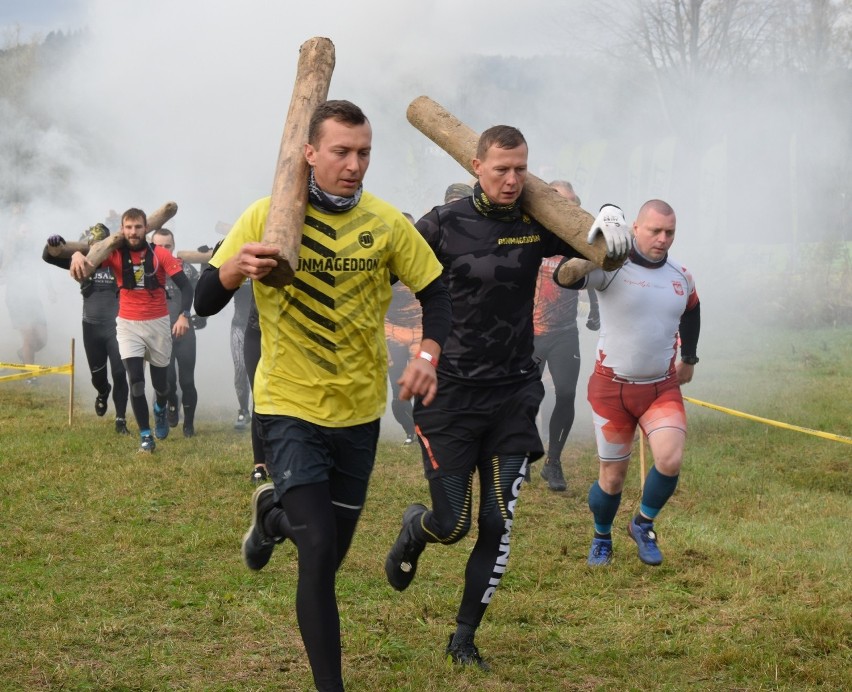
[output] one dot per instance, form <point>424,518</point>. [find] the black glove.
<point>197,321</point>
<point>594,321</point>
<point>203,248</point>
<point>55,241</point>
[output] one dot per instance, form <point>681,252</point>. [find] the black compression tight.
<point>136,375</point>
<point>561,353</point>
<point>251,356</point>
<point>450,519</point>
<point>322,533</point>
<point>242,386</point>
<point>101,347</point>
<point>181,371</point>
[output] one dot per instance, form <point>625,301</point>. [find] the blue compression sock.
<point>658,489</point>
<point>604,508</point>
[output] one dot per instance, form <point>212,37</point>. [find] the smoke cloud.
<point>186,101</point>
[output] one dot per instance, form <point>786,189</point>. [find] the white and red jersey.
<point>641,305</point>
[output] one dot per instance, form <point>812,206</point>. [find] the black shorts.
<point>301,453</point>
<point>465,425</point>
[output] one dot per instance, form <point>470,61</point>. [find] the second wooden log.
<point>548,207</point>
<point>156,220</point>
<point>290,186</point>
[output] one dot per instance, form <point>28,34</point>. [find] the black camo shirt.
<point>490,269</point>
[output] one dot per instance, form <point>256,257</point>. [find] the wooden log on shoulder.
<point>68,249</point>
<point>194,257</point>
<point>156,220</point>
<point>99,251</point>
<point>96,253</point>
<point>573,270</point>
<point>543,203</point>
<point>289,188</point>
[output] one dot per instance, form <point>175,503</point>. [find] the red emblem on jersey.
<point>678,287</point>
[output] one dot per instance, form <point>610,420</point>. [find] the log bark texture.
<point>573,270</point>
<point>548,207</point>
<point>289,188</point>
<point>68,249</point>
<point>156,219</point>
<point>99,251</point>
<point>194,257</point>
<point>159,217</point>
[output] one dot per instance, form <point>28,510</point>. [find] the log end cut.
<point>281,276</point>
<point>160,216</point>
<point>609,264</point>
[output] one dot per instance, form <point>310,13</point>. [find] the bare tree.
<point>813,36</point>
<point>693,38</point>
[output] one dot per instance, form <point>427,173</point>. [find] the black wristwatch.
<point>689,360</point>
<point>188,314</point>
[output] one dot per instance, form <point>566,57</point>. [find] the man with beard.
<point>142,325</point>
<point>483,418</point>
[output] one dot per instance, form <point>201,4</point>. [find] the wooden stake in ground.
<point>554,212</point>
<point>156,220</point>
<point>71,388</point>
<point>289,188</point>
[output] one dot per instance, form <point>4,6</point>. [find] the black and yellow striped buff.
<point>323,350</point>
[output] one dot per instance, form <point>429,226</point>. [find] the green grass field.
<point>122,571</point>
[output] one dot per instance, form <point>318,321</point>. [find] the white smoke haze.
<point>186,101</point>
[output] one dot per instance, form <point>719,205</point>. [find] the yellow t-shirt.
<point>323,350</point>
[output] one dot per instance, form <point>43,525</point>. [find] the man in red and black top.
<point>557,347</point>
<point>142,325</point>
<point>484,415</point>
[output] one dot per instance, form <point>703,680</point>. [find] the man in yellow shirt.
<point>320,387</point>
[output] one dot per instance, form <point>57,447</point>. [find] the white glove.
<point>618,235</point>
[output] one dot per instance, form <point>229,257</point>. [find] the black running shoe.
<point>257,546</point>
<point>401,562</point>
<point>121,426</point>
<point>465,654</point>
<point>101,401</point>
<point>243,420</point>
<point>188,430</point>
<point>551,471</point>
<point>259,474</point>
<point>173,415</point>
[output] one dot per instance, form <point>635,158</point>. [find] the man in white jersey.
<point>646,306</point>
